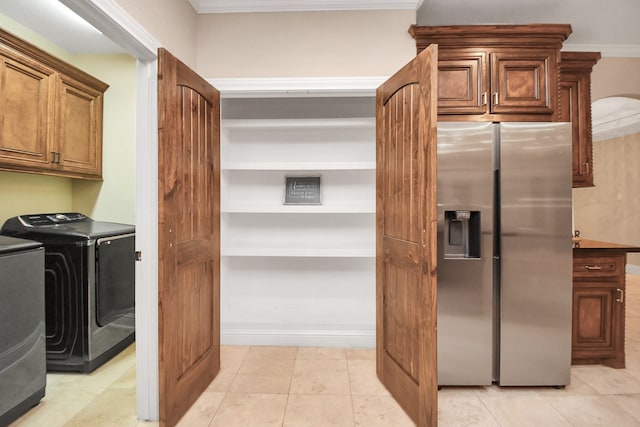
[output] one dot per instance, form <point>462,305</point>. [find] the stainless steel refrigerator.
<point>504,254</point>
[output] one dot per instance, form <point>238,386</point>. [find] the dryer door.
<point>115,277</point>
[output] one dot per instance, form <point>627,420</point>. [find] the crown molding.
<point>277,87</point>
<point>615,117</point>
<point>246,6</point>
<point>607,50</point>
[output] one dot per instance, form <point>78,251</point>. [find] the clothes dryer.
<point>23,373</point>
<point>89,286</point>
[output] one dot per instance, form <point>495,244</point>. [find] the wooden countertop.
<point>586,244</point>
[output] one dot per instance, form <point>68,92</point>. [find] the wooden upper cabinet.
<point>50,114</point>
<point>496,72</point>
<point>575,107</point>
<point>79,127</point>
<point>462,81</point>
<point>26,98</point>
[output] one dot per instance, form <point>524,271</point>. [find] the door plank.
<point>406,119</point>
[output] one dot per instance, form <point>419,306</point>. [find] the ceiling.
<point>54,21</point>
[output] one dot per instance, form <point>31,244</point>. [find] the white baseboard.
<point>298,338</point>
<point>633,269</point>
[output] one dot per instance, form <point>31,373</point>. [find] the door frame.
<point>116,24</point>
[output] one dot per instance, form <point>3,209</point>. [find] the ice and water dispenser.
<point>461,234</point>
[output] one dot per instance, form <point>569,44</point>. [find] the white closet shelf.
<point>365,122</point>
<point>357,207</point>
<point>294,252</point>
<point>298,166</point>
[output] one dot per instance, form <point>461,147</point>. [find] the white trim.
<point>297,87</point>
<point>298,338</point>
<point>115,23</point>
<point>607,50</point>
<point>242,6</point>
<point>633,269</point>
<point>147,388</point>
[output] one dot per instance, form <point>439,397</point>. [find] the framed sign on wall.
<point>302,190</point>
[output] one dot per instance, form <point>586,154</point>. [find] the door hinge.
<point>138,256</point>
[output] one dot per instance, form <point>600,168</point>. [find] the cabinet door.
<point>575,107</point>
<point>598,323</point>
<point>524,82</point>
<point>26,113</point>
<point>79,128</point>
<point>462,82</point>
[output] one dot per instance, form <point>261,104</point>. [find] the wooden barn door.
<point>188,236</point>
<point>406,120</point>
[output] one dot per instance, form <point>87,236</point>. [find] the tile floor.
<point>297,387</point>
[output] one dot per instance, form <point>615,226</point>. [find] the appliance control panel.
<point>41,220</point>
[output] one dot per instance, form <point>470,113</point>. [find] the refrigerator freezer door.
<point>536,257</point>
<point>465,298</point>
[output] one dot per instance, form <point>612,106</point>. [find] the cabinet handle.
<point>586,167</point>
<point>593,267</point>
<point>484,98</point>
<point>55,157</point>
<point>621,293</point>
<point>495,98</point>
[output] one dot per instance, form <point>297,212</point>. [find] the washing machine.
<point>23,374</point>
<point>89,286</point>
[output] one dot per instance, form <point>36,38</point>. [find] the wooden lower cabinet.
<point>598,308</point>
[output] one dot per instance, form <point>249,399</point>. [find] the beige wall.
<point>171,22</point>
<point>304,44</point>
<point>112,199</point>
<point>23,193</point>
<point>610,211</point>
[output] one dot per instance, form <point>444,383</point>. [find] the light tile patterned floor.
<point>298,387</point>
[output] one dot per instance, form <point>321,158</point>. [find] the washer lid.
<point>13,244</point>
<point>74,225</point>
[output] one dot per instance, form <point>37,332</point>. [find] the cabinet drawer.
<point>598,266</point>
